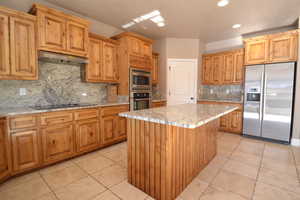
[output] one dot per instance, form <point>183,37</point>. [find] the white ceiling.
<point>191,18</point>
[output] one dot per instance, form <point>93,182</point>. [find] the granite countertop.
<point>223,100</point>
<point>185,115</point>
<point>4,112</point>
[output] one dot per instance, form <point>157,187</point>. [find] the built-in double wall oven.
<point>140,89</point>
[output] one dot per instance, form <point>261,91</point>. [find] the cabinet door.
<point>217,63</point>
<point>147,49</point>
<point>135,46</point>
<point>283,47</point>
<point>25,150</point>
<point>23,52</point>
<point>109,62</point>
<point>4,46</point>
<point>236,122</point>
<point>58,142</point>
<point>155,69</point>
<point>52,32</point>
<point>108,128</point>
<point>87,135</point>
<point>256,51</point>
<point>94,67</point>
<point>207,70</point>
<point>77,38</point>
<point>238,75</point>
<point>122,127</point>
<point>4,157</point>
<point>228,68</point>
<point>224,122</point>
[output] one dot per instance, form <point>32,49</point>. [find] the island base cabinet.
<point>58,143</point>
<point>164,159</point>
<point>25,151</point>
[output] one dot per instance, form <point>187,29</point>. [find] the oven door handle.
<point>142,99</point>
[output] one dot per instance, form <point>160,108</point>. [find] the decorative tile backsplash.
<point>221,92</point>
<point>57,84</point>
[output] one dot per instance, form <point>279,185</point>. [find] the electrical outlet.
<point>23,92</point>
<point>211,91</point>
<point>227,91</point>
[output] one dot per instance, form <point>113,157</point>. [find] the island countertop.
<point>185,115</point>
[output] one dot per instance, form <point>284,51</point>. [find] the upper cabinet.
<point>18,56</point>
<point>223,68</point>
<point>135,51</point>
<point>102,65</point>
<point>280,47</point>
<point>155,68</point>
<point>60,32</point>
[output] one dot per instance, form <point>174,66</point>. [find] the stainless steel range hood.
<point>50,57</point>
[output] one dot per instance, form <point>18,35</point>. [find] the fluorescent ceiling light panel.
<point>128,25</point>
<point>235,26</point>
<point>150,15</point>
<point>161,24</point>
<point>223,3</point>
<point>157,19</point>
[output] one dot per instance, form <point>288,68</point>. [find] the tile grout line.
<point>52,191</point>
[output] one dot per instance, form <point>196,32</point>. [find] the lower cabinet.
<point>25,150</point>
<point>87,135</point>
<point>232,122</point>
<point>122,127</point>
<point>58,142</point>
<point>159,104</point>
<point>4,152</point>
<point>109,129</point>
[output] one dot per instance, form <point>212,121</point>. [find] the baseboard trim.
<point>295,142</point>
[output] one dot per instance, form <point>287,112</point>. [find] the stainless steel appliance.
<point>268,101</point>
<point>140,80</point>
<point>140,89</point>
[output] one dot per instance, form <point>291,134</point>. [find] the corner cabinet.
<point>102,65</point>
<point>61,33</point>
<point>223,68</point>
<point>274,48</point>
<point>18,57</point>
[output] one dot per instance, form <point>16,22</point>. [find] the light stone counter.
<point>158,100</point>
<point>4,112</point>
<point>185,115</point>
<point>222,100</point>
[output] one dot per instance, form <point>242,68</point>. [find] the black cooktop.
<point>49,107</point>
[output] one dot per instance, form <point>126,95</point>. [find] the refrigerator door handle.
<point>262,92</point>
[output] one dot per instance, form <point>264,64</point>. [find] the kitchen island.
<point>169,146</point>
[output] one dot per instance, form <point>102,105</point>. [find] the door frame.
<point>195,61</point>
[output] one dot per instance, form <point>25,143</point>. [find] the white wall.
<point>96,26</point>
<point>223,45</point>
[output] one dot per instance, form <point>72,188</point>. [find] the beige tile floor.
<point>243,169</point>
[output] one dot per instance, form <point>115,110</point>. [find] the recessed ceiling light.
<point>223,3</point>
<point>150,15</point>
<point>235,26</point>
<point>161,24</point>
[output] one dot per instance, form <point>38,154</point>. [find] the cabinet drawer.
<point>113,110</point>
<point>86,114</point>
<point>22,122</point>
<point>56,118</point>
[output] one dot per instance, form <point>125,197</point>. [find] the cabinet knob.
<point>53,142</point>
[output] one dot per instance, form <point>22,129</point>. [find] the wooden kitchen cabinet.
<point>273,48</point>
<point>159,104</point>
<point>5,169</point>
<point>58,142</point>
<point>18,56</point>
<point>87,135</point>
<point>232,122</point>
<point>102,65</point>
<point>60,32</point>
<point>25,150</point>
<point>223,68</point>
<point>155,68</point>
<point>113,127</point>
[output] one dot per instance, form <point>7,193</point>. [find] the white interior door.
<point>182,81</point>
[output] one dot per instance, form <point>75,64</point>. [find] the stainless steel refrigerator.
<point>268,101</point>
